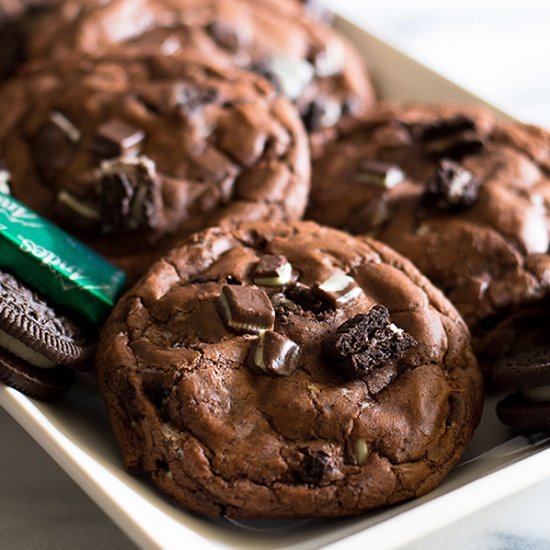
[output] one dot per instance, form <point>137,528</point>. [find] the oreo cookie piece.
<point>529,373</point>
<point>38,346</point>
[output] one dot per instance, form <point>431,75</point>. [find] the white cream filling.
<point>19,349</point>
<point>539,394</point>
<point>458,185</point>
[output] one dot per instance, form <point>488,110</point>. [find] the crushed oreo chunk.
<point>366,342</point>
<point>274,353</point>
<point>453,137</point>
<point>289,76</point>
<point>130,195</point>
<point>192,98</point>
<point>378,173</point>
<point>272,271</point>
<point>246,308</point>
<point>117,138</point>
<point>451,188</point>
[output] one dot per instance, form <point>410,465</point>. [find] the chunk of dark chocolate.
<point>453,137</point>
<point>117,138</point>
<point>378,173</point>
<point>272,271</point>
<point>367,341</point>
<point>274,353</point>
<point>130,195</point>
<point>451,188</point>
<point>246,308</point>
<point>312,468</point>
<point>338,290</point>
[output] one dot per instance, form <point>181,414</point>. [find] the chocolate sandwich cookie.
<point>39,347</point>
<point>462,195</point>
<point>306,60</point>
<point>280,371</point>
<point>527,373</point>
<point>131,154</point>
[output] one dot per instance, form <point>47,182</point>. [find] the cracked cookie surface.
<point>131,154</point>
<point>228,400</point>
<point>461,194</point>
<point>309,62</point>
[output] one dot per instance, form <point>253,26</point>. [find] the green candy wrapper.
<point>56,265</point>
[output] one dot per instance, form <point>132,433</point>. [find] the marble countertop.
<point>499,49</point>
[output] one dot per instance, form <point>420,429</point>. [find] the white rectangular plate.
<point>76,433</point>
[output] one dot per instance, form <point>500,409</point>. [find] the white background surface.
<point>499,50</point>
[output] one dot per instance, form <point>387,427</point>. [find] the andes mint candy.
<point>338,290</point>
<point>246,308</point>
<point>378,173</point>
<point>322,113</point>
<point>274,353</point>
<point>452,187</point>
<point>117,138</point>
<point>452,137</point>
<point>367,341</point>
<point>272,271</point>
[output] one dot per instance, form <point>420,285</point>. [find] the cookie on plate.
<point>279,371</point>
<point>462,195</point>
<point>39,347</point>
<point>132,154</point>
<point>527,373</point>
<point>307,61</point>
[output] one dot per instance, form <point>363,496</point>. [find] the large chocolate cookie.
<point>463,196</point>
<point>37,343</point>
<point>309,62</point>
<point>288,371</point>
<point>131,154</point>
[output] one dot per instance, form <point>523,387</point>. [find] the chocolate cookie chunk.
<point>37,344</point>
<point>305,59</point>
<point>462,195</point>
<point>131,154</point>
<point>529,374</point>
<point>243,410</point>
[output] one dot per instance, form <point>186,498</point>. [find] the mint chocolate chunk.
<point>366,342</point>
<point>452,187</point>
<point>338,290</point>
<point>272,271</point>
<point>377,173</point>
<point>246,308</point>
<point>274,353</point>
<point>117,138</point>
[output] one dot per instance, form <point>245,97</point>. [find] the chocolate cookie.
<point>306,60</point>
<point>464,196</point>
<point>38,346</point>
<point>529,373</point>
<point>279,371</point>
<point>132,154</point>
